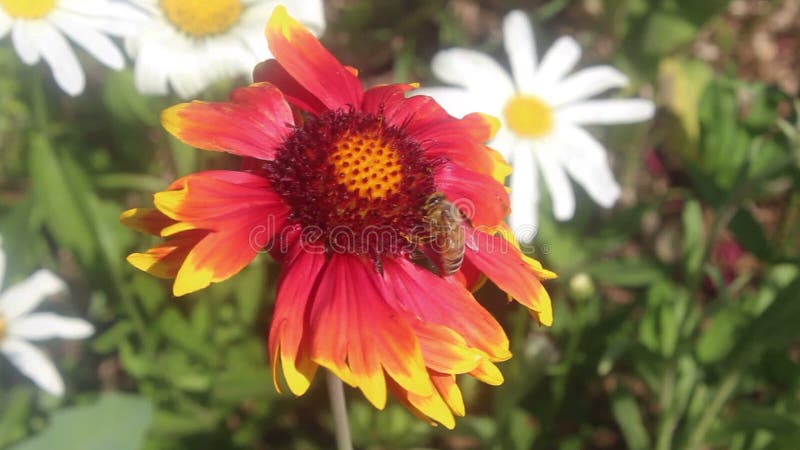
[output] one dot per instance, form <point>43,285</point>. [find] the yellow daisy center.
<point>366,165</point>
<point>2,328</point>
<point>28,9</point>
<point>201,18</point>
<point>529,116</point>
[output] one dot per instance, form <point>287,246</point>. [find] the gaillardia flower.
<point>384,211</point>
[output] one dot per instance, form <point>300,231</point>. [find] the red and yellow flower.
<point>336,183</point>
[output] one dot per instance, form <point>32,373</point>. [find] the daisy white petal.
<point>524,193</point>
<point>23,36</point>
<point>607,112</point>
<point>520,46</point>
<point>95,43</point>
<point>39,326</point>
<point>557,62</point>
<point>504,142</point>
<point>588,83</point>
<point>472,70</point>
<point>586,162</point>
<point>561,194</point>
<point>455,101</point>
<point>62,60</point>
<point>34,364</point>
<point>21,298</point>
<point>2,265</point>
<point>5,24</point>
<point>151,70</point>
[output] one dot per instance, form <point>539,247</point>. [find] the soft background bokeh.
<point>676,312</point>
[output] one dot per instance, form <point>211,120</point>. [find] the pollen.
<point>2,328</point>
<point>28,9</point>
<point>201,18</point>
<point>367,165</point>
<point>529,116</point>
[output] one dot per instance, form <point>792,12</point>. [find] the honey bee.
<point>444,241</point>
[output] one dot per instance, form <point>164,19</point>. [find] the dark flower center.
<point>355,183</point>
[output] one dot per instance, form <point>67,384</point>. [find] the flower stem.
<point>339,409</point>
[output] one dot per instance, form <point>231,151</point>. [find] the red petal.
<point>311,64</point>
<point>212,199</point>
<point>254,123</point>
<point>445,301</point>
<point>296,286</point>
<point>511,271</point>
<point>357,334</point>
<point>480,197</point>
<point>272,72</point>
<point>164,260</point>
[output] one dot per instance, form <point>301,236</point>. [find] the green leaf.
<point>626,273</point>
<point>115,421</point>
<point>722,335</point>
<point>626,412</point>
<point>16,405</point>
<point>665,32</point>
<point>693,238</point>
<point>750,234</point>
<point>60,197</point>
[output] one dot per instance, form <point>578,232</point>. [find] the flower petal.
<point>165,259</point>
<point>458,102</point>
<point>311,64</point>
<point>446,302</point>
<point>298,281</point>
<point>587,83</point>
<point>97,44</point>
<point>561,194</point>
<point>607,112</point>
<point>2,264</point>
<point>513,272</point>
<point>5,24</point>
<point>587,162</point>
<point>62,60</point>
<point>23,37</point>
<point>520,46</point>
<point>559,60</point>
<point>430,408</point>
<point>20,299</point>
<point>239,209</point>
<point>146,220</point>
<point>205,200</point>
<point>34,364</point>
<point>41,326</point>
<point>473,70</point>
<point>482,199</point>
<point>254,123</point>
<point>524,218</point>
<point>272,72</point>
<point>356,333</point>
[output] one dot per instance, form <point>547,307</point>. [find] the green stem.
<point>666,400</point>
<point>339,410</point>
<point>722,395</point>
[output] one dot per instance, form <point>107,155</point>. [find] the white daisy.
<point>38,28</point>
<point>189,44</point>
<point>542,110</point>
<point>18,326</point>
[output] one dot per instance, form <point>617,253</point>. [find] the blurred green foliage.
<point>676,312</point>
